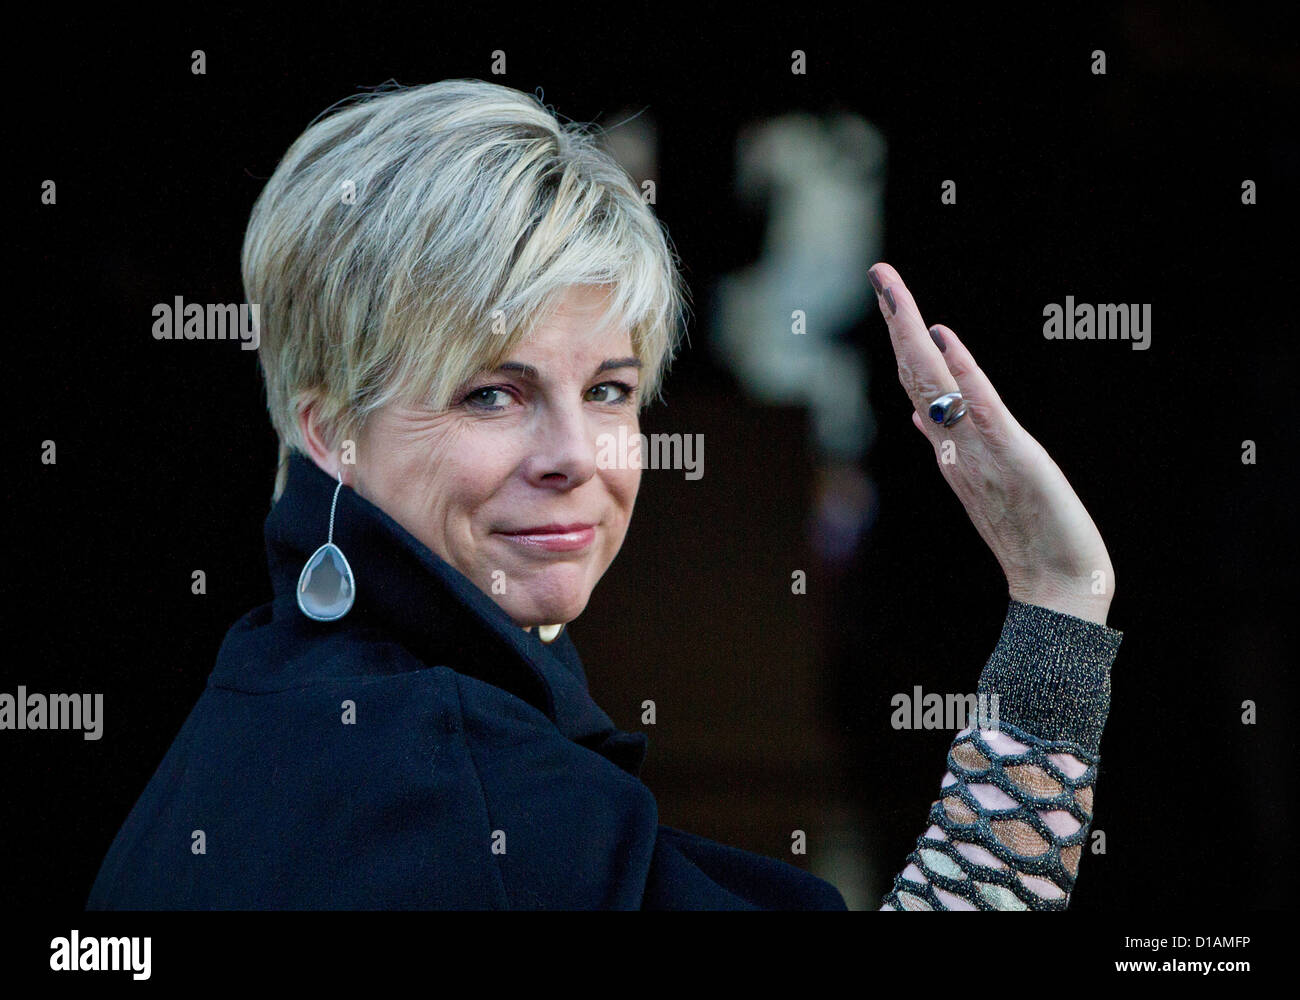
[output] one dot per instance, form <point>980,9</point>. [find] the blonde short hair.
<point>413,236</point>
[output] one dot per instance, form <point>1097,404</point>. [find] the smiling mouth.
<point>553,537</point>
<point>552,529</point>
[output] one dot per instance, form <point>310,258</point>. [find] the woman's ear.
<point>316,442</point>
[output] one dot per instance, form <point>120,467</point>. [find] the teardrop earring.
<point>326,588</point>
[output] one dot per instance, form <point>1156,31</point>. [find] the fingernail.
<point>875,280</point>
<point>937,337</point>
<point>889,297</point>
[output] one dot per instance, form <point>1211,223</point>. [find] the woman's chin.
<point>558,594</point>
<point>551,609</point>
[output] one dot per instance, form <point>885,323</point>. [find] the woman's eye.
<point>486,397</point>
<point>612,392</point>
<point>495,397</point>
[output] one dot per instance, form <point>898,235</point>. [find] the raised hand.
<point>1018,499</point>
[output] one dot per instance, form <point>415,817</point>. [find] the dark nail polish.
<point>875,280</point>
<point>889,297</point>
<point>937,337</point>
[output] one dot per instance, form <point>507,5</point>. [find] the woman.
<point>460,299</point>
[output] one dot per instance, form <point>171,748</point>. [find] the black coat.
<point>478,772</point>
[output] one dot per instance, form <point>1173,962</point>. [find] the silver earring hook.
<point>333,504</point>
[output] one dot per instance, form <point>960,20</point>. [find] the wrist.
<point>1070,597</point>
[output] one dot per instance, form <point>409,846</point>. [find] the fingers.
<point>984,408</point>
<point>921,367</point>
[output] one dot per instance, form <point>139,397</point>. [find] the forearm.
<point>1009,828</point>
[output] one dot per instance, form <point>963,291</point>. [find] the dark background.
<point>1118,188</point>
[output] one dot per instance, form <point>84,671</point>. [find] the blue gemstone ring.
<point>948,409</point>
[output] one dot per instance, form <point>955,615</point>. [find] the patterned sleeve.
<point>1011,821</point>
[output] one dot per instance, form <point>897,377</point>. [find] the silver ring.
<point>948,409</point>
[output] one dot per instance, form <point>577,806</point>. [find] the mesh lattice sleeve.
<point>1009,827</point>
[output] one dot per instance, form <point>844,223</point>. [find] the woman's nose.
<point>563,448</point>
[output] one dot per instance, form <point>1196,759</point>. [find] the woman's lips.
<point>554,537</point>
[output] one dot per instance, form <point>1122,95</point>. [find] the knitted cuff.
<point>1051,673</point>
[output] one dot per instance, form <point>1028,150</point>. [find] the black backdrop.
<point>1118,188</point>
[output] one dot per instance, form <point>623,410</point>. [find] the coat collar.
<point>409,594</point>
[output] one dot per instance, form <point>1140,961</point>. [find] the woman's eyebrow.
<point>614,363</point>
<point>528,371</point>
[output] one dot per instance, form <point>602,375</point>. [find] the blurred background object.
<point>781,324</point>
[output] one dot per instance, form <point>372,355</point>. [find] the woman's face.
<point>517,451</point>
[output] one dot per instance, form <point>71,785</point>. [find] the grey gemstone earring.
<point>326,588</point>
